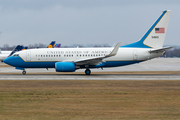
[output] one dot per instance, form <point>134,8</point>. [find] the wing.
<point>97,60</point>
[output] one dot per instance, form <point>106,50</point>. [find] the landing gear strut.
<point>23,72</point>
<point>88,71</point>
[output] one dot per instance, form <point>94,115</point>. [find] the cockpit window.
<point>15,55</point>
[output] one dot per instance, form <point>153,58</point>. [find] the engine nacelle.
<point>65,67</point>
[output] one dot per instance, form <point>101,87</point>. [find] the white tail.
<point>154,37</point>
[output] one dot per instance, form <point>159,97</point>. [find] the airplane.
<point>52,44</point>
<point>57,45</point>
<point>70,59</point>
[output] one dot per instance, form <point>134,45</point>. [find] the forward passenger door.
<point>28,56</point>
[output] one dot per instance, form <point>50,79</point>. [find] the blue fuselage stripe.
<point>18,62</point>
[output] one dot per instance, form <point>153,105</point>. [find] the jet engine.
<point>65,67</point>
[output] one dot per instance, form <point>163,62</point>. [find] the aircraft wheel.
<point>23,72</point>
<point>88,72</point>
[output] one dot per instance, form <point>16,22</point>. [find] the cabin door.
<point>28,56</point>
<point>135,55</point>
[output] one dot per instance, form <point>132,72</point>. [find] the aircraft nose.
<point>7,60</point>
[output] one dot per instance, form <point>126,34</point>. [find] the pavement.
<point>157,64</point>
<point>89,77</point>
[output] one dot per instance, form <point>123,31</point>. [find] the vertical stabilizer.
<point>16,49</point>
<point>52,44</point>
<point>154,37</point>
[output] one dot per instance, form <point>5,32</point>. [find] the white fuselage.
<point>72,54</point>
<point>49,55</point>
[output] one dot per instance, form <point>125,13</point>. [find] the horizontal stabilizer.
<point>160,50</point>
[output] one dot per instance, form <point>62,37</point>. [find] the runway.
<point>159,69</point>
<point>90,77</point>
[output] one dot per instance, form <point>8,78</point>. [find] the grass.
<point>89,100</point>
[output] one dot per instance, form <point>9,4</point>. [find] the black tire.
<point>88,71</point>
<point>23,72</point>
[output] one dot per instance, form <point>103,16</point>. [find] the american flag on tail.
<point>159,30</point>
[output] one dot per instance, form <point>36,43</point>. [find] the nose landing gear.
<point>88,71</point>
<point>23,72</point>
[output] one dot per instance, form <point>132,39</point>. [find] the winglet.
<point>115,50</point>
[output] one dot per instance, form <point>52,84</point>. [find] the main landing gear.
<point>23,72</point>
<point>88,71</point>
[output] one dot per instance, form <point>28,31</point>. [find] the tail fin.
<point>25,48</point>
<point>154,37</point>
<point>57,45</point>
<point>16,49</point>
<point>52,44</point>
